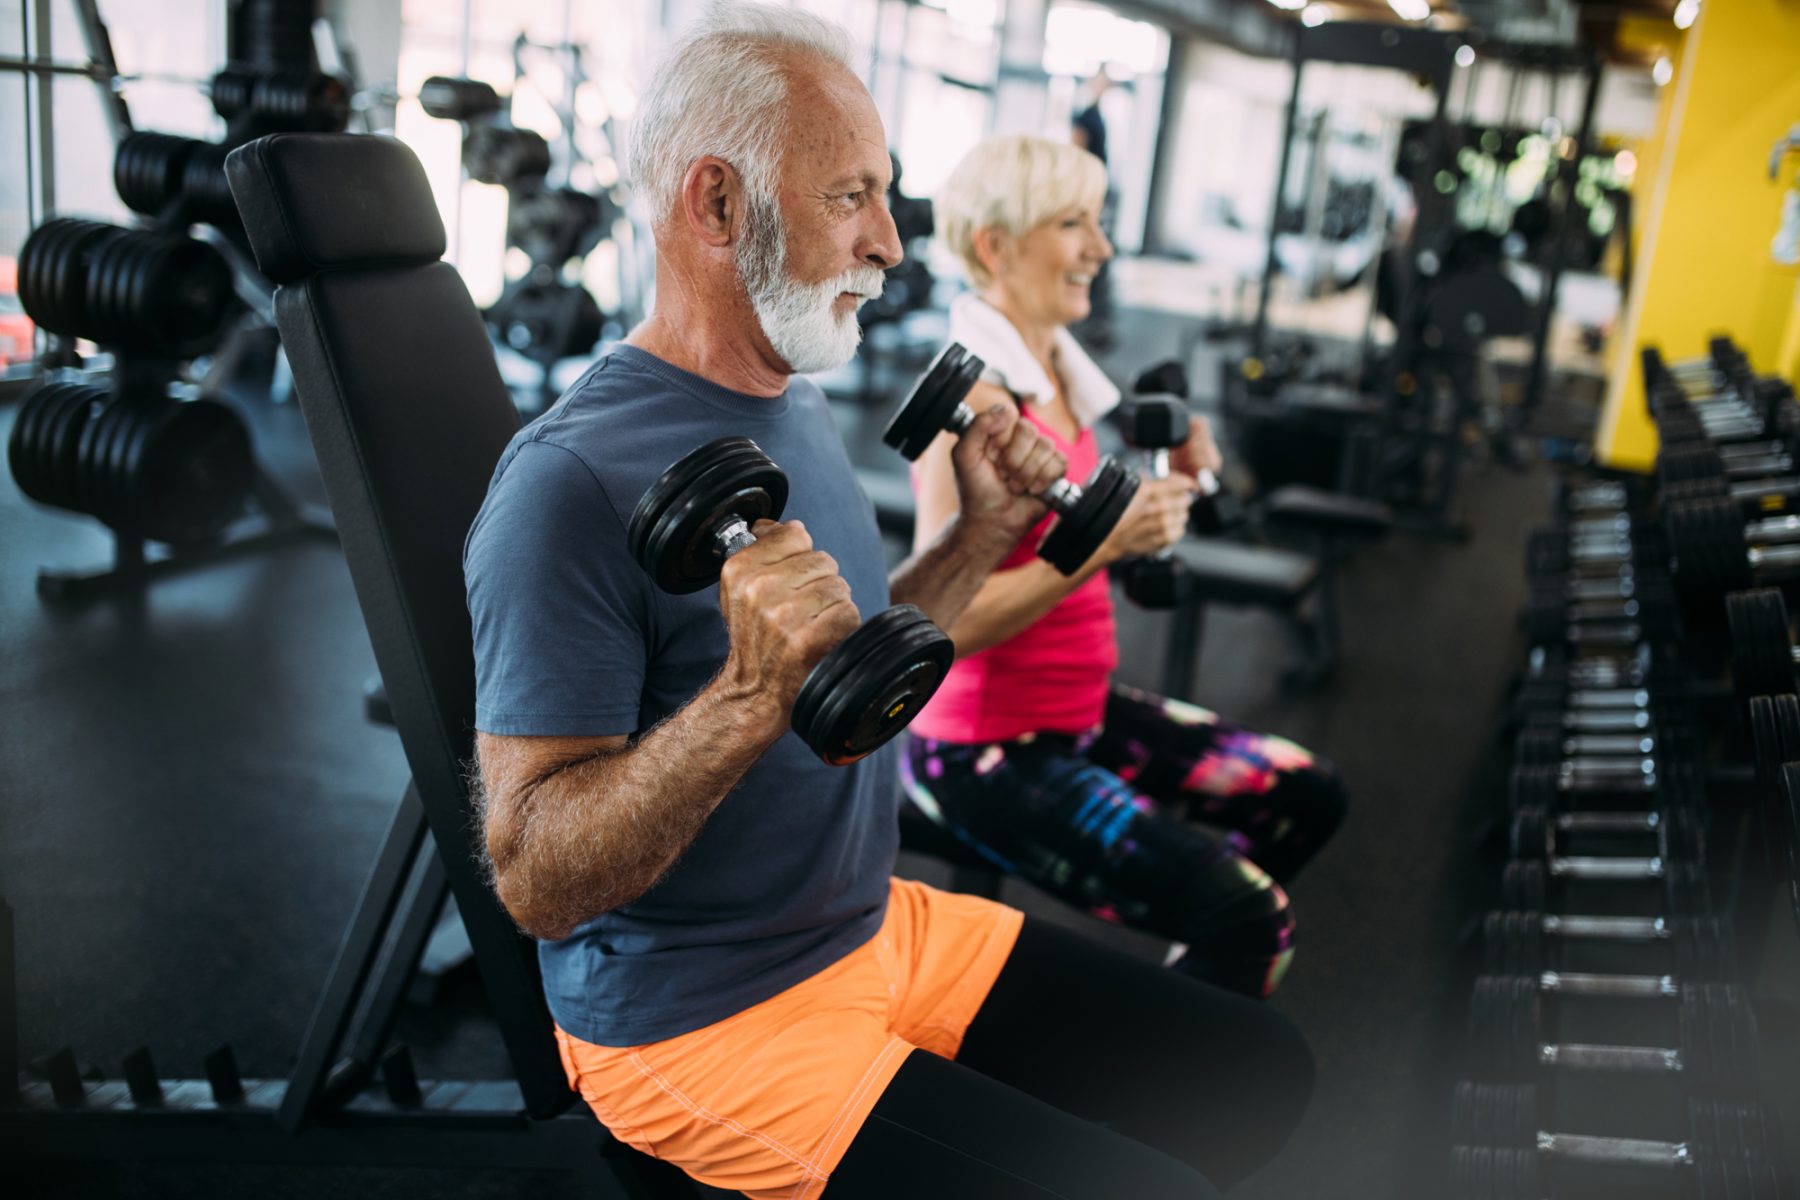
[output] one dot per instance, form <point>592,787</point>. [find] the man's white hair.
<point>722,90</point>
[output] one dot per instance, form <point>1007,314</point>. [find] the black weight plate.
<point>68,276</point>
<point>113,318</point>
<point>1762,654</point>
<point>104,262</point>
<point>1533,786</point>
<point>1703,948</point>
<point>1546,552</point>
<point>1546,614</point>
<point>1513,943</point>
<point>872,684</point>
<point>65,436</point>
<point>47,410</point>
<point>1078,533</point>
<point>31,274</point>
<point>87,455</point>
<point>1464,1184</point>
<point>945,384</point>
<point>1525,886</point>
<point>64,280</point>
<point>1683,835</point>
<point>185,297</point>
<point>1531,835</point>
<point>98,477</point>
<point>37,276</point>
<point>193,472</point>
<point>21,445</point>
<point>1789,800</point>
<point>148,296</point>
<point>62,406</point>
<point>134,502</point>
<point>74,284</point>
<point>671,529</point>
<point>120,511</point>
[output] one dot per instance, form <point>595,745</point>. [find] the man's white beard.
<point>797,318</point>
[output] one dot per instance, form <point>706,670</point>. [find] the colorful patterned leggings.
<point>1167,819</point>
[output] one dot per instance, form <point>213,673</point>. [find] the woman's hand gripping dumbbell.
<point>1089,513</point>
<point>794,633</point>
<point>1156,425</point>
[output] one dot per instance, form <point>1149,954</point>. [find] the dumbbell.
<point>1560,553</point>
<point>1551,764</point>
<point>1088,512</point>
<point>871,685</point>
<point>281,101</point>
<point>1713,548</point>
<point>454,99</point>
<point>1603,497</point>
<point>1215,508</point>
<point>1716,1050</point>
<point>153,170</point>
<point>1519,942</point>
<point>1154,425</point>
<point>1757,485</point>
<point>1733,1149</point>
<point>1525,885</point>
<point>1680,835</point>
<point>1619,611</point>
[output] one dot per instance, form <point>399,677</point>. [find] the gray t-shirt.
<point>572,637</point>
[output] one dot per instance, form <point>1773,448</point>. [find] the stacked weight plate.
<point>1613,1048</point>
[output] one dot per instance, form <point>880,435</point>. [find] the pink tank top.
<point>1052,676</point>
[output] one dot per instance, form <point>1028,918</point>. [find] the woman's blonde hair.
<point>1014,182</point>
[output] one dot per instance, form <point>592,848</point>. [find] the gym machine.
<point>546,315</point>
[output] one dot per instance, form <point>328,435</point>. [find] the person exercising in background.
<point>1087,130</point>
<point>1148,811</point>
<point>738,983</point>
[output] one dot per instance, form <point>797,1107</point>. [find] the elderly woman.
<point>1142,810</point>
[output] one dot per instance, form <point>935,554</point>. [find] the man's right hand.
<point>785,607</point>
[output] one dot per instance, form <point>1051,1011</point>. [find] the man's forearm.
<point>597,833</point>
<point>942,578</point>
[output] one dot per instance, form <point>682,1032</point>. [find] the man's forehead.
<point>838,130</point>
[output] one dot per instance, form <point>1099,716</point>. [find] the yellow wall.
<point>1711,212</point>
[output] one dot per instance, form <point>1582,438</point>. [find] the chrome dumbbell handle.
<point>1614,1151</point>
<point>731,535</point>
<point>1618,987</point>
<point>1612,929</point>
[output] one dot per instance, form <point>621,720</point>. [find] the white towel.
<point>985,332</point>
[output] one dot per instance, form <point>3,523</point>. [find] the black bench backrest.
<point>408,416</point>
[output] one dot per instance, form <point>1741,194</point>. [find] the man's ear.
<point>992,248</point>
<point>711,200</point>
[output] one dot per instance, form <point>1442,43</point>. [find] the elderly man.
<point>738,983</point>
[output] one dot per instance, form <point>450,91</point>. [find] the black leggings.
<point>1087,1075</point>
<point>1168,819</point>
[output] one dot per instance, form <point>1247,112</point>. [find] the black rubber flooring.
<point>192,799</point>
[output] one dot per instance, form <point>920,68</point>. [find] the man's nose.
<point>881,248</point>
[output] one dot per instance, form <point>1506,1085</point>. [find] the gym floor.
<point>193,799</point>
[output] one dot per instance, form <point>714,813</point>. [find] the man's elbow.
<point>533,918</point>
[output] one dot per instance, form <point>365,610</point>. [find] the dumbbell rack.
<point>1614,1047</point>
<point>174,480</point>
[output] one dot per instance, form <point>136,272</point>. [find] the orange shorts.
<point>766,1102</point>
